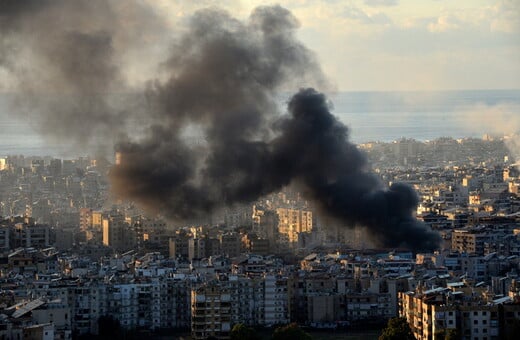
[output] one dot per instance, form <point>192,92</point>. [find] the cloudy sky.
<point>398,44</point>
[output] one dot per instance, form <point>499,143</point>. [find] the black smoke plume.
<point>223,78</point>
<point>313,149</point>
<point>214,135</point>
<point>66,59</point>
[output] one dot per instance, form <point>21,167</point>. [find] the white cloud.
<point>367,18</point>
<point>445,23</point>
<point>416,45</point>
<point>377,3</point>
<point>505,16</point>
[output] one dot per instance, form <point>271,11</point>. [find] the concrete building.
<point>211,311</point>
<point>291,222</point>
<point>85,219</point>
<point>58,314</point>
<point>230,244</point>
<point>244,293</point>
<point>117,233</point>
<point>39,332</point>
<point>368,306</point>
<point>325,309</point>
<point>29,235</point>
<point>179,244</point>
<point>88,304</point>
<point>265,223</point>
<point>5,243</point>
<point>469,241</point>
<point>273,304</point>
<point>196,248</point>
<point>436,312</point>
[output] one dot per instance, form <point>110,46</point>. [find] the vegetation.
<point>290,332</point>
<point>242,332</point>
<point>397,329</point>
<point>448,334</point>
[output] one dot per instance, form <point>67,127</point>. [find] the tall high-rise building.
<point>85,219</point>
<point>294,221</point>
<point>196,248</point>
<point>230,244</point>
<point>179,244</point>
<point>117,233</point>
<point>211,311</point>
<point>55,168</point>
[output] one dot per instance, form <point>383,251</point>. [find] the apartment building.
<point>211,311</point>
<point>470,312</point>
<point>291,222</point>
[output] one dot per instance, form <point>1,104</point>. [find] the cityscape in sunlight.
<point>174,169</point>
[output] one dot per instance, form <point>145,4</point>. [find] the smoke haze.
<point>220,81</point>
<point>498,121</point>
<point>67,60</point>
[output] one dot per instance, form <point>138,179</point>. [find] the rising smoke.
<point>67,59</point>
<point>220,82</point>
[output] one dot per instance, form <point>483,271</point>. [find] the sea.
<point>370,116</point>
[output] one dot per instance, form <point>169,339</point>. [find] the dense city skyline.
<point>209,207</point>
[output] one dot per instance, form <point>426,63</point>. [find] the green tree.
<point>290,332</point>
<point>397,329</point>
<point>242,332</point>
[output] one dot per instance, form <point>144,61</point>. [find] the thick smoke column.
<point>218,87</point>
<point>224,75</point>
<point>224,78</point>
<point>313,149</point>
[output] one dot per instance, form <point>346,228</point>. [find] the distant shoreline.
<point>371,116</point>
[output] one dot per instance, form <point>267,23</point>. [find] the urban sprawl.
<point>74,259</point>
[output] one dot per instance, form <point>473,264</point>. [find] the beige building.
<point>85,219</point>
<point>468,241</point>
<point>97,219</point>
<point>437,312</point>
<point>210,311</point>
<point>291,222</point>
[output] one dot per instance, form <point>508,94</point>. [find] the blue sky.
<point>398,44</point>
